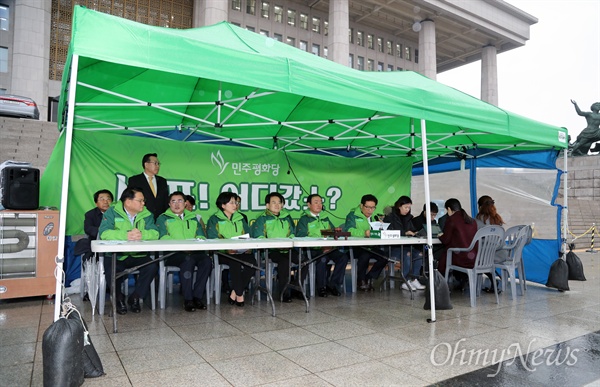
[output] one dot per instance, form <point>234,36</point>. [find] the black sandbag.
<point>442,293</point>
<point>92,365</point>
<point>559,275</point>
<point>62,347</point>
<point>575,267</point>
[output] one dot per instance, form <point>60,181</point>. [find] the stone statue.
<point>590,134</point>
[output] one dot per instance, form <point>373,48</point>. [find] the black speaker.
<point>20,188</point>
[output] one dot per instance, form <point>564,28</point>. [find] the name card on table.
<point>385,234</point>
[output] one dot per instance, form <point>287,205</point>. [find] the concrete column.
<point>489,75</point>
<point>209,12</point>
<point>339,23</point>
<point>31,52</point>
<point>427,50</point>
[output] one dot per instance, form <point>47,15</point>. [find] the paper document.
<point>379,225</point>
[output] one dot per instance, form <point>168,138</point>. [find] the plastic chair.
<point>125,289</point>
<point>270,269</point>
<point>354,269</point>
<point>488,239</point>
<point>102,287</point>
<point>513,263</point>
<point>217,274</point>
<point>165,281</point>
<point>312,269</point>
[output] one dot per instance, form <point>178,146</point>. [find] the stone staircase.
<point>584,200</point>
<point>27,140</point>
<point>582,215</point>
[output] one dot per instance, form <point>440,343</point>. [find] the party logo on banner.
<point>240,168</point>
<point>218,161</point>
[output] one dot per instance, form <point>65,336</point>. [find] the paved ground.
<point>373,339</point>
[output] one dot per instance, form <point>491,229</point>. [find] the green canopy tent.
<point>224,85</point>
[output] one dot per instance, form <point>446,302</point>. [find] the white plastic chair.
<point>217,274</point>
<point>102,287</point>
<point>514,262</point>
<point>312,272</point>
<point>165,282</point>
<point>270,269</point>
<point>488,239</point>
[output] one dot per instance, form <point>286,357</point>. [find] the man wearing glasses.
<point>310,224</point>
<point>154,187</point>
<point>177,223</point>
<point>129,220</point>
<point>357,224</point>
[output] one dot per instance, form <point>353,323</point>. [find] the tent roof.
<point>225,84</point>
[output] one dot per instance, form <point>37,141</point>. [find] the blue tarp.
<point>540,253</point>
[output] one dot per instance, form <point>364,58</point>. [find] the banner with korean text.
<point>105,161</point>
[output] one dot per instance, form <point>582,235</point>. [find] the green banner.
<point>105,161</point>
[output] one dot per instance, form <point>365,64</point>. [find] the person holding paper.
<point>177,223</point>
<point>358,225</point>
<point>310,224</point>
<point>401,219</point>
<point>228,223</point>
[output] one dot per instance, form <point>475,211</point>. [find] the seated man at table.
<point>91,223</point>
<point>310,224</point>
<point>357,224</point>
<point>177,223</point>
<point>129,220</point>
<point>276,222</point>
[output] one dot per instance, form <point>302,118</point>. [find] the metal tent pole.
<point>62,224</point>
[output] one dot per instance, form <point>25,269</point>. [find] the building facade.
<point>427,36</point>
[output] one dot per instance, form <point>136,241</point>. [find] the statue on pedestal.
<point>590,134</point>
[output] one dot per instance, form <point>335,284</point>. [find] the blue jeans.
<point>408,254</point>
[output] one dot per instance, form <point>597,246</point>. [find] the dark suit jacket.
<point>157,205</point>
<point>92,221</point>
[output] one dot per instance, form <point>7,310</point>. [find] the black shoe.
<point>231,301</point>
<point>333,291</point>
<point>323,292</point>
<point>298,294</point>
<point>287,298</point>
<point>239,303</point>
<point>134,304</point>
<point>198,304</point>
<point>188,306</point>
<point>121,307</point>
<point>491,289</point>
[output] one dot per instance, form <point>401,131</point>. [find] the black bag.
<point>575,266</point>
<point>62,346</point>
<point>442,293</point>
<point>559,275</point>
<point>92,365</point>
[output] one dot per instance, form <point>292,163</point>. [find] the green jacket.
<point>310,226</point>
<point>171,226</point>
<point>115,225</point>
<point>357,223</point>
<point>221,227</point>
<point>270,226</point>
